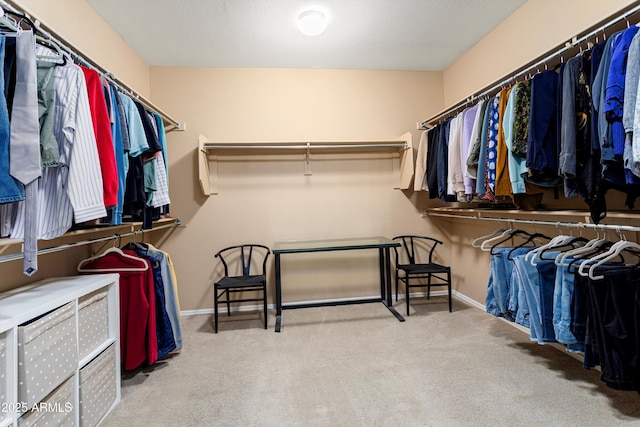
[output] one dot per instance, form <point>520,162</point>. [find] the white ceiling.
<point>361,34</point>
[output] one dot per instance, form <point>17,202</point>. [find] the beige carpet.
<point>358,366</point>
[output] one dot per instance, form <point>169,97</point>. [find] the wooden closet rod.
<point>59,248</point>
<point>578,225</point>
<point>170,122</point>
<point>533,65</point>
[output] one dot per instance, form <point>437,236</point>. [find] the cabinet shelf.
<point>38,302</point>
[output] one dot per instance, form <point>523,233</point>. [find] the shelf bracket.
<point>307,160</point>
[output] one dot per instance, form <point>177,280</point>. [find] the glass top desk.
<point>382,244</point>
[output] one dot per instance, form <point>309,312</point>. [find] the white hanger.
<point>476,242</point>
<point>532,255</point>
<point>9,22</point>
<point>118,251</point>
<point>59,55</point>
<point>591,246</point>
<point>487,244</point>
<point>613,252</point>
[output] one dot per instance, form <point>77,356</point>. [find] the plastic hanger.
<point>514,233</point>
<point>530,256</point>
<point>8,22</point>
<point>476,242</point>
<point>613,252</point>
<point>57,51</point>
<point>592,246</point>
<point>569,241</point>
<point>487,244</point>
<point>142,266</point>
<point>530,239</point>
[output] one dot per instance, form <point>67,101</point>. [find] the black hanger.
<point>514,233</point>
<point>530,239</point>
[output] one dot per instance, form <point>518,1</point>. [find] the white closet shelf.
<point>399,149</point>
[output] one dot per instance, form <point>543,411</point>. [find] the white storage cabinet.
<point>60,352</point>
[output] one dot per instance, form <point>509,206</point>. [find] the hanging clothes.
<point>420,175</point>
<point>103,136</point>
<point>167,311</point>
<point>433,150</point>
<point>138,336</point>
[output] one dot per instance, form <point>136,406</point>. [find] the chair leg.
<point>228,304</point>
<point>449,286</point>
<point>396,285</point>
<point>215,309</point>
<point>264,294</point>
<point>429,287</point>
<point>407,289</point>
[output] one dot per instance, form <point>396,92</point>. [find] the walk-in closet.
<point>213,215</point>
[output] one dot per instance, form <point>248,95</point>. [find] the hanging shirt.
<point>492,148</point>
<point>74,190</point>
<point>443,161</point>
<point>471,168</point>
<point>468,121</point>
<point>542,147</point>
<point>482,155</point>
<point>614,92</point>
<point>521,113</point>
<point>104,139</point>
<point>455,180</point>
<point>420,175</point>
<point>517,165</point>
<point>120,157</point>
<point>599,88</point>
<point>433,139</point>
<point>503,185</point>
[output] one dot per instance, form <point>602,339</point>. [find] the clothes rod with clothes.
<point>39,28</point>
<point>546,60</point>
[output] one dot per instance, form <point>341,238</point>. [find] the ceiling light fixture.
<point>312,22</point>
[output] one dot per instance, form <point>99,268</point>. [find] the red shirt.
<point>104,139</point>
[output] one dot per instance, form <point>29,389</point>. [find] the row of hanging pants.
<point>599,318</point>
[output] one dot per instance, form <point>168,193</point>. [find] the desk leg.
<point>278,293</point>
<point>383,285</point>
<point>386,270</point>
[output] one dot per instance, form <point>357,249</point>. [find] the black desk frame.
<point>383,245</point>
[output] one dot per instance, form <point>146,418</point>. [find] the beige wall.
<point>531,31</point>
<point>81,26</point>
<point>267,200</point>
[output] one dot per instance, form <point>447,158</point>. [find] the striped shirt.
<point>73,190</point>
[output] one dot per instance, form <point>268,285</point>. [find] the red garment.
<point>138,340</point>
<point>104,139</point>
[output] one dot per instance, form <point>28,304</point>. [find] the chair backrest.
<point>244,256</point>
<point>415,249</point>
